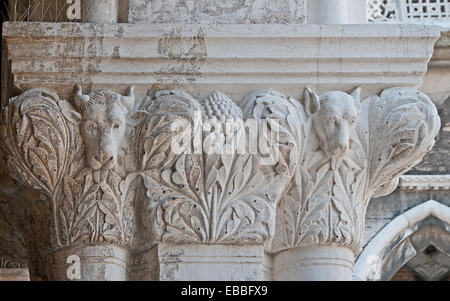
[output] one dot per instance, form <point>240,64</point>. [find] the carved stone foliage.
<point>71,159</point>
<point>349,151</point>
<point>208,193</point>
<point>170,168</point>
<point>12,241</point>
<point>25,226</point>
<point>97,161</point>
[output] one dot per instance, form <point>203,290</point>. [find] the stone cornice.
<point>424,182</point>
<point>233,58</point>
<point>127,30</point>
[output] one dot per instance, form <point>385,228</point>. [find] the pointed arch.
<point>396,236</point>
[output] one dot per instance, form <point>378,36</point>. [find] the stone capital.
<point>122,173</point>
<point>347,152</point>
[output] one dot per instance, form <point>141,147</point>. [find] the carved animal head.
<point>334,115</point>
<point>103,125</point>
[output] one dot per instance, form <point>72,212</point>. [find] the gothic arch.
<point>402,239</point>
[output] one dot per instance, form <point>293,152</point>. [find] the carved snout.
<point>104,155</point>
<point>343,138</point>
<point>341,143</point>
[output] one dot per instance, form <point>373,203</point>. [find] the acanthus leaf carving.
<point>206,197</point>
<point>355,151</point>
<point>182,160</point>
<point>38,128</point>
<point>403,123</point>
<point>72,159</point>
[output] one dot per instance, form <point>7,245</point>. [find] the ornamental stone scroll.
<point>116,182</point>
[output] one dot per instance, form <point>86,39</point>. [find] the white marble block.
<point>90,263</point>
<point>323,263</point>
<point>211,262</point>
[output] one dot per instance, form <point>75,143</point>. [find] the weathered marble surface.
<point>14,275</point>
<point>112,188</point>
<point>115,179</point>
<point>236,59</point>
<point>220,12</point>
<point>439,71</point>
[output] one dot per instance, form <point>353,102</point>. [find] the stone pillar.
<point>336,11</point>
<point>101,11</point>
<point>211,262</point>
<point>89,263</point>
<point>316,263</point>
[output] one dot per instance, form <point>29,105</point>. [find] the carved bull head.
<point>103,125</point>
<point>334,116</point>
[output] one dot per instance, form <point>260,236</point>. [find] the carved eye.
<point>352,121</point>
<point>92,126</point>
<point>116,124</point>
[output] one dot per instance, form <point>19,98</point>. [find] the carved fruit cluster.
<point>220,106</point>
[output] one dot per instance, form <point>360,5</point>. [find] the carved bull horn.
<point>80,98</point>
<point>128,101</point>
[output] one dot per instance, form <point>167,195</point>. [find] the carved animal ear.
<point>312,103</point>
<point>80,98</point>
<point>356,94</point>
<point>128,101</point>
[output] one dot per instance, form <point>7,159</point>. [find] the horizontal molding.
<point>174,47</point>
<point>129,30</point>
<point>235,58</point>
<point>425,182</point>
<point>219,66</point>
<point>6,264</point>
